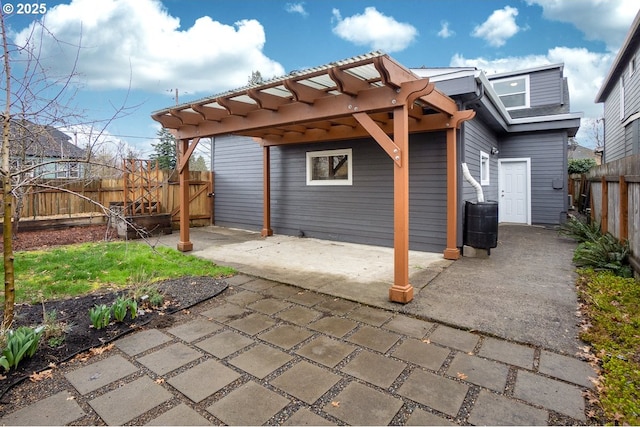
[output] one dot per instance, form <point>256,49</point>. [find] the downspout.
<point>465,168</point>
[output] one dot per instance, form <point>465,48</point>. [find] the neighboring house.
<point>49,150</point>
<point>308,154</point>
<point>620,93</point>
<point>576,152</point>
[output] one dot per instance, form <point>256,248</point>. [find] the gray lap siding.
<point>359,213</point>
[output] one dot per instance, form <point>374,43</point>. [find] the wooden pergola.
<point>366,96</point>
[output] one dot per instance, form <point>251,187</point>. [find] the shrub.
<point>580,165</point>
<point>579,230</point>
<point>604,253</point>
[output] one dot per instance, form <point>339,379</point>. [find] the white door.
<point>513,185</point>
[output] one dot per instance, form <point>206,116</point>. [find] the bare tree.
<point>37,105</point>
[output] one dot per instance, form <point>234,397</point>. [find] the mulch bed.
<point>179,294</point>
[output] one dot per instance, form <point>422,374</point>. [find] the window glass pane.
<point>330,167</point>
<point>517,100</point>
<point>510,86</point>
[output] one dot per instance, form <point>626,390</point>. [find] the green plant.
<point>148,295</point>
<point>119,307</point>
<point>580,165</point>
<point>100,316</point>
<point>580,231</point>
<point>20,343</point>
<point>133,307</point>
<point>54,329</point>
<point>604,253</point>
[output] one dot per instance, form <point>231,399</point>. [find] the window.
<point>332,167</point>
<point>632,65</point>
<point>484,169</point>
<point>514,92</point>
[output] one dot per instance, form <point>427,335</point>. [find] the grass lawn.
<point>612,306</point>
<point>67,271</point>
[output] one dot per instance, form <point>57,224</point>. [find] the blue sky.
<point>203,47</point>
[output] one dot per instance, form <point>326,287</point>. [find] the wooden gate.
<point>201,200</point>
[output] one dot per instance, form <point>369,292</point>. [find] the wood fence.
<point>72,199</point>
<point>615,201</point>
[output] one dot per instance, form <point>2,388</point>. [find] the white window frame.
<point>325,153</point>
<point>527,91</point>
<point>485,168</point>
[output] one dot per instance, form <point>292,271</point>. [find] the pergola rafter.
<point>367,96</point>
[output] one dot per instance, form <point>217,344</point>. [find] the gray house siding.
<point>545,88</point>
<point>548,154</point>
<point>478,137</point>
<point>237,168</point>
<point>359,213</point>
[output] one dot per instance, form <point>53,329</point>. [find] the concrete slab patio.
<point>524,291</point>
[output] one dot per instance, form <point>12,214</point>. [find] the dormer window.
<point>513,91</point>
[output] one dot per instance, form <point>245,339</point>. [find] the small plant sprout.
<point>21,343</point>
<point>100,316</point>
<point>120,306</point>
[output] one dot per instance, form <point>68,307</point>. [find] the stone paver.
<point>282,291</point>
<point>454,338</point>
<point>549,393</point>
<point>180,415</point>
<point>335,326</point>
<point>260,360</point>
<point>374,338</point>
<point>99,374</point>
<point>420,417</point>
<point>304,417</point>
<point>249,405</point>
<point>258,285</point>
<point>299,315</point>
<point>307,298</point>
<point>483,372</point>
<point>140,342</point>
<point>204,379</point>
<point>169,358</point>
<point>426,355</point>
<point>225,312</point>
<point>507,352</point>
<point>361,405</point>
<point>305,381</point>
<point>491,409</point>
<point>372,316</point>
<point>439,393</point>
<point>374,368</point>
<point>285,336</point>
<point>252,324</point>
<point>409,326</point>
<point>194,329</point>
<point>269,305</point>
<point>326,351</point>
<point>244,298</point>
<point>225,343</point>
<point>123,404</point>
<point>59,409</point>
<point>566,368</point>
<point>336,306</point>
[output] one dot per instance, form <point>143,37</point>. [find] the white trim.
<point>621,97</point>
<point>485,179</point>
<point>527,160</point>
<point>325,153</point>
<point>631,118</point>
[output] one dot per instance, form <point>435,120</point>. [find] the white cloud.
<point>139,42</point>
<point>584,71</point>
<point>296,8</point>
<point>445,32</point>
<point>604,20</point>
<point>374,29</point>
<point>499,27</point>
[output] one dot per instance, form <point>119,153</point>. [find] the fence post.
<point>604,214</point>
<point>624,209</point>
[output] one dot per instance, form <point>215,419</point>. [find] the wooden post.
<point>401,291</point>
<point>452,251</point>
<point>604,210</point>
<point>184,245</point>
<point>624,209</point>
<point>266,192</point>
